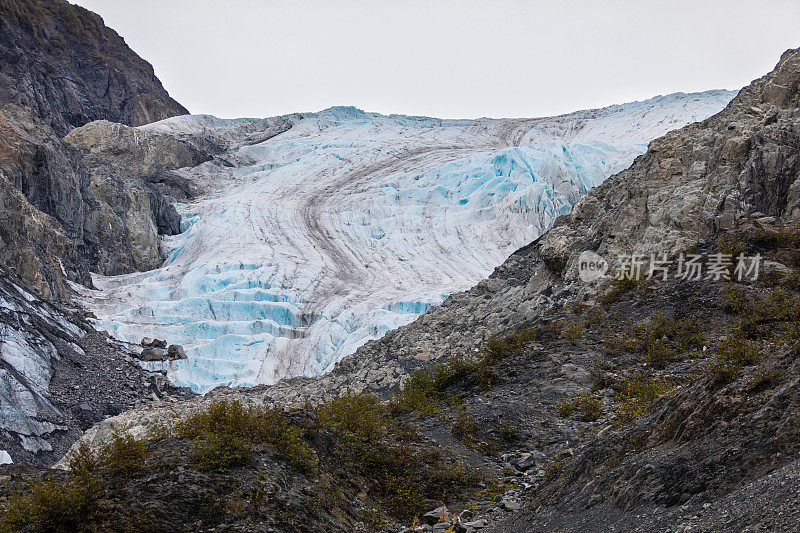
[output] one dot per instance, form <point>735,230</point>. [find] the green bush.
<point>731,356</point>
<point>374,445</point>
<point>124,456</point>
<point>425,388</point>
<point>635,391</point>
<point>588,407</point>
<point>498,346</point>
<point>228,423</point>
<point>465,427</point>
<point>664,340</point>
<point>54,506</point>
<point>216,452</point>
<point>734,300</point>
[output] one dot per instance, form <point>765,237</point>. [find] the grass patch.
<point>635,392</point>
<point>617,289</point>
<point>587,407</point>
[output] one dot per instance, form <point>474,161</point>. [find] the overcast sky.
<point>496,58</point>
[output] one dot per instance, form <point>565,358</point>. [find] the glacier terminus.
<point>318,232</point>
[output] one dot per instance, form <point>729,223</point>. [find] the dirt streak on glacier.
<point>319,232</point>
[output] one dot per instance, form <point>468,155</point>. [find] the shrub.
<point>56,507</point>
<point>664,340</point>
<point>496,347</point>
<point>588,407</point>
<point>507,430</point>
<point>552,468</point>
<point>635,392</point>
<point>425,388</point>
<point>402,479</point>
<point>762,378</point>
<point>617,288</point>
<point>731,356</point>
<point>734,244</point>
<point>124,456</point>
<point>566,407</point>
<point>465,427</point>
<point>228,423</point>
<point>601,376</point>
<point>215,452</point>
<point>360,415</point>
<point>659,354</point>
<point>571,330</point>
<point>734,300</point>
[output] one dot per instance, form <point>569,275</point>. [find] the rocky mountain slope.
<point>68,206</point>
<point>60,68</point>
<point>61,61</point>
<point>93,208</point>
<point>662,405</point>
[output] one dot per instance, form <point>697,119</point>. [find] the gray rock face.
<point>86,203</point>
<point>86,197</point>
<point>61,61</point>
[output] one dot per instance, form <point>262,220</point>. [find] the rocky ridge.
<point>94,208</point>
<point>61,61</point>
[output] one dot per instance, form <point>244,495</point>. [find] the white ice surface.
<point>350,224</point>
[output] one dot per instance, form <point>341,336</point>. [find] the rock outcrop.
<point>84,202</point>
<point>62,61</point>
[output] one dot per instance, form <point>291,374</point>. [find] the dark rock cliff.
<point>79,204</point>
<point>83,203</point>
<point>64,63</point>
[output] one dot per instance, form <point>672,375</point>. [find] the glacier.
<point>318,232</point>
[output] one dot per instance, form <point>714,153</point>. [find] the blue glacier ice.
<point>348,224</point>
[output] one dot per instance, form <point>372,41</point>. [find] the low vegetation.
<point>374,446</point>
<point>225,432</point>
<point>618,287</point>
<point>731,355</point>
<point>427,389</point>
<point>635,392</point>
<point>587,407</point>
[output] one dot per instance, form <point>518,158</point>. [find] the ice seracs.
<point>322,231</point>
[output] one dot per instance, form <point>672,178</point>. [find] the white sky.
<point>447,58</point>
